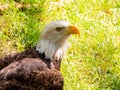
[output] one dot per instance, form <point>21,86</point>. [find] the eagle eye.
<point>58,29</point>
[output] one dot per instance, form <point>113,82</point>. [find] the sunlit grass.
<point>93,60</point>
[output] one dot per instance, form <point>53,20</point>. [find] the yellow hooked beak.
<point>74,30</point>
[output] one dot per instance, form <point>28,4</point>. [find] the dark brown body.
<point>30,70</point>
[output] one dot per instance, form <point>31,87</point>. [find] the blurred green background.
<point>93,60</point>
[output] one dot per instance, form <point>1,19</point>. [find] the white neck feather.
<point>52,50</point>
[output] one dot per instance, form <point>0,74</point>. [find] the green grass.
<point>93,60</point>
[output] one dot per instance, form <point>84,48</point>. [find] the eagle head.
<point>53,39</point>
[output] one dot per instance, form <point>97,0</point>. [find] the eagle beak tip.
<point>74,30</point>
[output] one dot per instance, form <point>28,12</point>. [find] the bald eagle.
<point>38,68</point>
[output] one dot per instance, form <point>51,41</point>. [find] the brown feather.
<point>29,70</point>
<point>29,53</point>
<point>37,80</point>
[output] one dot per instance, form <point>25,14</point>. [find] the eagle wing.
<point>30,74</point>
<point>29,70</point>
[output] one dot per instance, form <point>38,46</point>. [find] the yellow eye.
<point>58,29</point>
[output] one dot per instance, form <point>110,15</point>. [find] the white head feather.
<point>53,39</point>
